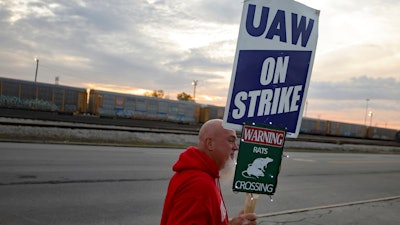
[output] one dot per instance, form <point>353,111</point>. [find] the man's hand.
<point>244,219</point>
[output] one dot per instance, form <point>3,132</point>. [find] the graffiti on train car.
<point>111,104</point>
<point>41,96</point>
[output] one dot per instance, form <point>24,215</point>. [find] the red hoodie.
<point>193,196</point>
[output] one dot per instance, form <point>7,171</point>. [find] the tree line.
<point>160,94</point>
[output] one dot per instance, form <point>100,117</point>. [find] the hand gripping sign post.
<point>273,63</point>
<point>270,78</point>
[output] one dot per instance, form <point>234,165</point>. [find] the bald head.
<point>217,142</point>
<point>210,129</point>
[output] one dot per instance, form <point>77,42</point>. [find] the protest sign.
<point>273,63</point>
<point>259,159</point>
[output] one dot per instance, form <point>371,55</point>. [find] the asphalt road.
<point>80,184</point>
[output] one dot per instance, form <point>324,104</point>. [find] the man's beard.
<point>226,174</point>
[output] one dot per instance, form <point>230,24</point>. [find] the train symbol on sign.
<point>257,168</point>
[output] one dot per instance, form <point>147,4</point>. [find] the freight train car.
<point>383,133</point>
<point>40,96</point>
<point>47,97</point>
<point>333,128</point>
<point>208,112</point>
<point>111,104</point>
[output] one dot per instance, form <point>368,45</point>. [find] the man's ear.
<point>210,144</point>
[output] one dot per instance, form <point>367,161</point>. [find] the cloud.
<point>165,45</point>
<point>356,88</point>
<point>351,100</point>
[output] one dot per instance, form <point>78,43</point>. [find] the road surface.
<point>81,184</point>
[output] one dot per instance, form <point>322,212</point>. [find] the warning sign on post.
<point>259,159</point>
<point>273,63</point>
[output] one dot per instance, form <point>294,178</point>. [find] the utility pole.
<point>37,66</point>
<point>194,83</point>
<point>370,118</point>
<point>366,112</point>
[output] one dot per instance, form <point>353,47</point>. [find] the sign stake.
<point>250,202</point>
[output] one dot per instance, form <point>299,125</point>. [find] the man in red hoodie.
<point>194,196</point>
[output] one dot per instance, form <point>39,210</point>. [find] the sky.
<point>134,46</point>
